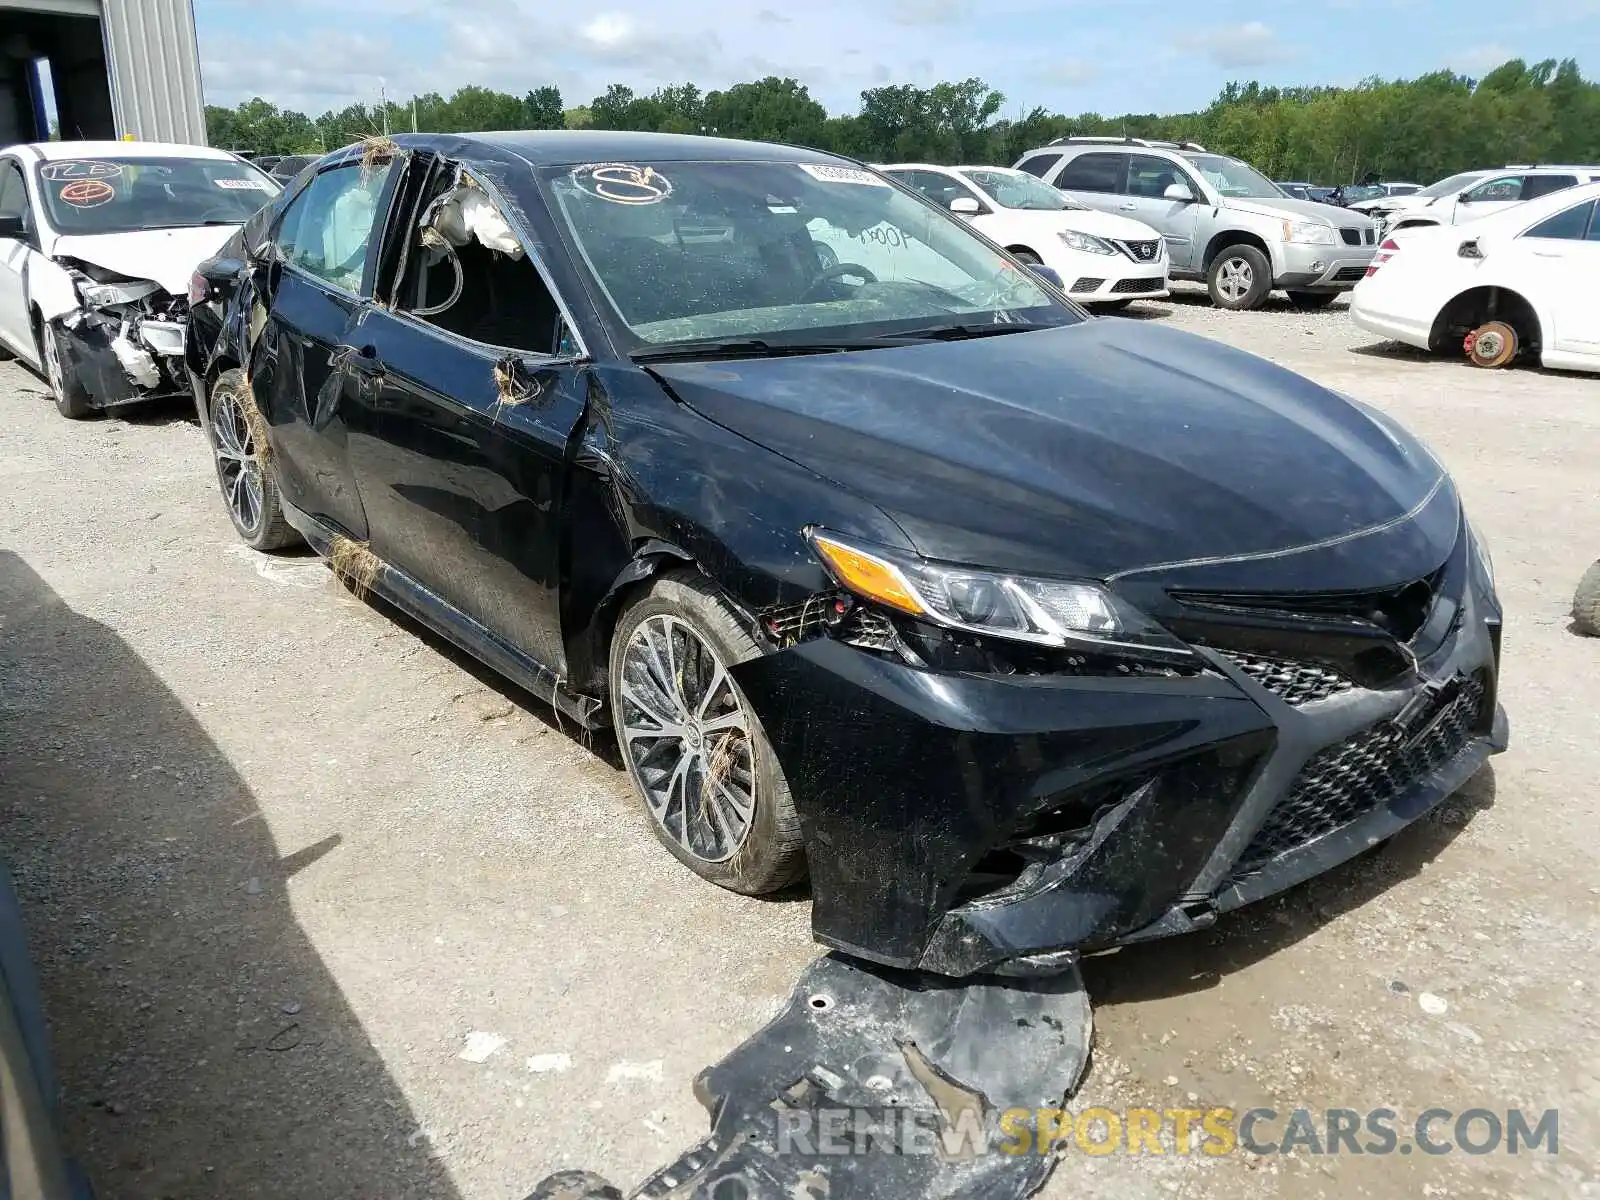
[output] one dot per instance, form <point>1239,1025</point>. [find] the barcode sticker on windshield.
<point>842,175</point>
<point>242,185</point>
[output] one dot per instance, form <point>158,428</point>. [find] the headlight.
<point>1311,233</point>
<point>1086,242</point>
<point>99,295</point>
<point>1045,612</point>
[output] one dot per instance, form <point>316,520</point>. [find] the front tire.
<point>1312,301</point>
<point>71,397</point>
<point>1239,279</point>
<point>244,466</point>
<point>693,745</point>
<point>1493,344</point>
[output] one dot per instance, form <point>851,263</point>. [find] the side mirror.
<point>1465,197</point>
<point>965,206</point>
<point>1048,274</point>
<point>13,228</point>
<point>1179,192</point>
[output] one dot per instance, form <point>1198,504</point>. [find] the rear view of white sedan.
<point>1519,284</point>
<point>1103,259</point>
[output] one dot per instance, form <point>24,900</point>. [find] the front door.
<point>473,401</point>
<point>16,324</point>
<point>1145,200</point>
<point>300,367</point>
<point>1563,261</point>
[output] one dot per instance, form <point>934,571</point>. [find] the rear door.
<point>300,365</point>
<point>472,394</point>
<point>1096,178</point>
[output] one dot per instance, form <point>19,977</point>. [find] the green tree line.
<point>1419,129</point>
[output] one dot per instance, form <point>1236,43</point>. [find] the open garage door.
<point>53,65</point>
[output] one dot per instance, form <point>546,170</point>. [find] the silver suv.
<point>1224,222</point>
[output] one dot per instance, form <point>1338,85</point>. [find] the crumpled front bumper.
<point>1192,795</point>
<point>85,347</point>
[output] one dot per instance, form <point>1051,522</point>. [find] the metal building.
<point>115,69</point>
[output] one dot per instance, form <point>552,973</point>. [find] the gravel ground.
<point>284,860</point>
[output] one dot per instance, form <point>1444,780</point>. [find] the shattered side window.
<point>327,229</point>
<point>467,273</point>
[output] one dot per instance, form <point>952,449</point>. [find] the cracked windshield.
<point>781,249</point>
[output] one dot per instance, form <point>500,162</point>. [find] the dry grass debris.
<point>354,565</point>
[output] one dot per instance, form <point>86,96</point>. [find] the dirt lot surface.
<point>282,859</point>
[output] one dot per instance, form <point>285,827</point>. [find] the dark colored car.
<point>1022,631</point>
<point>285,169</point>
<point>32,1161</point>
<point>1299,191</point>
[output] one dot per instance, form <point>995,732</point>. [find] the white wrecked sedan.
<point>98,241</point>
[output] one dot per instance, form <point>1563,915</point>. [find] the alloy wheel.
<point>1235,280</point>
<point>238,462</point>
<point>52,362</point>
<point>686,736</point>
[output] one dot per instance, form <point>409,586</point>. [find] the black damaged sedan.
<point>1021,632</point>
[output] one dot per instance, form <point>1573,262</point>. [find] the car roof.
<point>54,151</point>
<point>550,147</point>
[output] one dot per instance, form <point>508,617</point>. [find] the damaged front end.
<point>123,344</point>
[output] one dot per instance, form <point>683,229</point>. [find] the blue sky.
<point>1107,56</point>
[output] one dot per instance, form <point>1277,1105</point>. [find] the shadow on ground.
<point>1184,965</point>
<point>202,1046</point>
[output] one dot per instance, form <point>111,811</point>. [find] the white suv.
<point>1224,222</point>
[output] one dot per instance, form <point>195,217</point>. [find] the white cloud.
<point>930,12</point>
<point>1252,44</point>
<point>609,30</point>
<point>1480,59</point>
<point>1065,72</point>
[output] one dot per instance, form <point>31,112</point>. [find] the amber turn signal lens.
<point>867,576</point>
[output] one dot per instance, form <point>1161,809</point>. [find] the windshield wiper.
<point>748,348</point>
<point>956,333</point>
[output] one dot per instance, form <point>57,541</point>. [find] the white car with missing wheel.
<point>1103,259</point>
<point>1516,284</point>
<point>98,241</point>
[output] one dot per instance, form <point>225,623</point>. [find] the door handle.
<point>1128,207</point>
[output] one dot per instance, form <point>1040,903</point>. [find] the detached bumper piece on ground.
<point>878,1084</point>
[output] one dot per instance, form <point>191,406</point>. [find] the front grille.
<point>1359,775</point>
<point>1292,682</point>
<point>1147,251</point>
<point>1087,284</point>
<point>797,622</point>
<point>1349,274</point>
<point>1352,237</point>
<point>1126,287</point>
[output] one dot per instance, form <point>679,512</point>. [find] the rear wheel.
<point>1312,301</point>
<point>71,397</point>
<point>1492,344</point>
<point>694,747</point>
<point>1586,603</point>
<point>244,468</point>
<point>1239,278</point>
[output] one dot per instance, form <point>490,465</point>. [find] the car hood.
<point>1289,207</point>
<point>1087,220</point>
<point>167,256</point>
<point>1093,450</point>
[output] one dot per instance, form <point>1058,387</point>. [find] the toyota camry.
<point>1020,632</point>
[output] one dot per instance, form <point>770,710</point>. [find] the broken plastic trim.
<point>882,1084</point>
